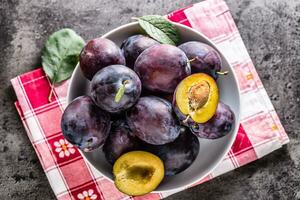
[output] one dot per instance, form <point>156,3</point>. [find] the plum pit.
<point>198,95</point>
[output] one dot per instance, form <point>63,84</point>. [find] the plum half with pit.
<point>133,46</point>
<point>196,98</point>
<point>161,67</point>
<point>152,120</point>
<point>218,126</point>
<point>177,155</point>
<point>119,141</point>
<point>203,58</point>
<point>84,124</point>
<point>97,54</point>
<point>115,88</point>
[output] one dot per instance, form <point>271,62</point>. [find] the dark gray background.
<point>269,28</point>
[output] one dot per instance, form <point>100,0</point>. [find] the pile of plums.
<point>148,97</point>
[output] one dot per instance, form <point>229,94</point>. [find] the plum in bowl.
<point>211,152</point>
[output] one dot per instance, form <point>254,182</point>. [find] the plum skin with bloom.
<point>108,81</point>
<point>161,67</point>
<point>84,124</point>
<point>152,120</point>
<point>218,126</point>
<point>133,46</point>
<point>203,58</point>
<point>119,141</point>
<point>177,155</point>
<point>97,54</point>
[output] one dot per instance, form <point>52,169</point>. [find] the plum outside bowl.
<point>211,152</point>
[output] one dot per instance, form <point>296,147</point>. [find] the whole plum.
<point>177,155</point>
<point>97,54</point>
<point>115,88</point>
<point>119,141</point>
<point>84,124</point>
<point>161,67</point>
<point>133,46</point>
<point>203,58</point>
<point>218,126</point>
<point>152,120</point>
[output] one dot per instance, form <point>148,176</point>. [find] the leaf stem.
<point>134,18</point>
<point>51,89</point>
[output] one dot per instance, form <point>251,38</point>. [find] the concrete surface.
<point>270,29</point>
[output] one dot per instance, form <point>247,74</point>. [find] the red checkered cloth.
<point>71,177</point>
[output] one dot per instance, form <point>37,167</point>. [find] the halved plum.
<point>218,126</point>
<point>196,98</point>
<point>138,172</point>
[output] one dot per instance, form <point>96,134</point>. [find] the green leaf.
<point>120,94</point>
<point>61,54</point>
<point>160,29</point>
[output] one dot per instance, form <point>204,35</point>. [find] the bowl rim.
<point>237,120</point>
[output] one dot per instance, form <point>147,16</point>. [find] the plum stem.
<point>186,119</point>
<point>222,73</point>
<point>121,91</point>
<point>193,59</point>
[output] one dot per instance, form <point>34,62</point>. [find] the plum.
<point>152,120</point>
<point>115,88</point>
<point>177,155</point>
<point>218,126</point>
<point>138,172</point>
<point>161,67</point>
<point>84,124</point>
<point>133,46</point>
<point>97,54</point>
<point>203,58</point>
<point>119,141</point>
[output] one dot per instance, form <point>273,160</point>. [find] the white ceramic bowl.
<point>211,151</point>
